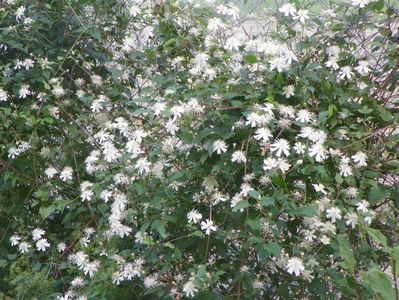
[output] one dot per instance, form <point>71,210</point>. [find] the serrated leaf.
<point>346,254</point>
<point>169,245</point>
<point>3,263</point>
<point>377,236</point>
<point>306,210</point>
<point>380,283</point>
<point>250,58</point>
<point>241,205</point>
<point>273,248</point>
<point>268,201</point>
<point>254,194</point>
<point>198,233</point>
<point>384,114</point>
<point>46,211</point>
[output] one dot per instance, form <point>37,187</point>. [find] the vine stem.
<point>209,236</point>
<point>395,279</point>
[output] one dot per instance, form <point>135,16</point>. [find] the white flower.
<point>3,95</point>
<point>309,235</point>
<point>14,240</point>
<point>281,146</point>
<point>106,195</point>
<point>37,233</point>
<point>42,245</point>
<point>288,91</point>
<point>362,206</point>
<point>219,146</point>
<point>134,10</point>
<point>334,214</point>
<point>288,10</point>
<point>194,216</point>
<point>325,240</point>
<point>345,72</point>
<point>318,151</point>
<point>215,24</point>
<point>283,165</point>
<point>253,119</point>
<point>171,127</point>
<point>263,134</point>
<point>23,247</point>
<point>79,258</point>
<point>269,163</point>
<point>332,63</point>
<point>66,174</point>
<point>189,289</point>
<point>360,3</point>
<point>143,165</point>
<point>329,13</point>
<point>110,152</point>
<point>304,116</point>
<point>151,281</point>
<point>279,63</point>
<point>320,188</point>
<point>301,15</point>
<point>20,13</point>
<point>239,157</point>
<point>360,159</point>
<point>287,111</point>
<point>24,91</point>
<point>61,247</point>
<point>96,80</point>
<point>299,148</point>
<point>362,68</point>
<point>345,169</point>
<point>77,281</point>
<point>90,268</point>
<point>139,237</point>
<point>232,44</point>
<point>58,90</point>
<point>208,226</point>
<point>85,191</point>
<point>295,265</point>
<point>351,219</point>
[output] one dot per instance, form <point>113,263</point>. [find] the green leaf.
<point>279,181</point>
<point>306,210</point>
<point>254,194</point>
<point>254,224</point>
<point>338,179</point>
<point>160,227</point>
<point>268,201</point>
<point>241,205</point>
<point>379,5</point>
<point>198,233</point>
<point>377,236</point>
<point>201,271</point>
<point>380,283</point>
<point>273,248</point>
<point>346,254</point>
<point>46,211</point>
<point>179,176</point>
<point>263,254</point>
<point>395,259</point>
<point>384,114</point>
<point>250,58</point>
<point>42,195</point>
<point>3,263</point>
<point>169,245</point>
<point>331,109</point>
<point>170,42</point>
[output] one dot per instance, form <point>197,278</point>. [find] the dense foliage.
<point>169,150</point>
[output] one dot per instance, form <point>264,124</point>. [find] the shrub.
<point>162,150</point>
